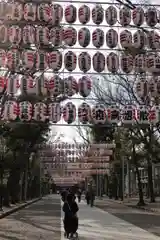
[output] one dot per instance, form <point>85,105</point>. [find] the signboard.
<point>103,145</point>
<point>97,159</point>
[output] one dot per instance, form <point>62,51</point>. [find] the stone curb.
<point>15,209</point>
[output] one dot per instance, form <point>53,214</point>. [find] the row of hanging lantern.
<point>64,146</point>
<point>53,13</point>
<point>98,114</point>
<point>45,86</point>
<point>15,35</point>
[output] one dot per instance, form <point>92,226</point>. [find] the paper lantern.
<point>17,11</point>
<point>84,14</point>
<point>85,86</point>
<point>28,59</point>
<point>139,39</point>
<point>111,15</point>
<point>140,63</point>
<point>54,112</point>
<point>3,82</point>
<point>98,62</point>
<point>41,86</point>
<point>12,85</point>
<point>9,11</point>
<point>70,61</point>
<point>54,86</point>
<point>30,12</point>
<point>69,112</point>
<point>138,16</point>
<point>126,39</point>
<point>3,34</point>
<point>70,36</point>
<point>57,14</point>
<point>3,9</point>
<point>111,38</point>
<point>13,59</point>
<point>125,16</point>
<point>40,112</point>
<point>44,12</point>
<point>84,37</point>
<point>10,111</point>
<point>153,40</point>
<point>14,34</point>
<point>97,14</point>
<point>129,114</point>
<point>2,58</point>
<point>98,38</point>
<point>25,111</point>
<point>70,14</point>
<point>84,113</point>
<point>41,58</point>
<point>153,63</point>
<point>42,35</point>
<point>141,88</point>
<point>99,114</point>
<point>151,17</point>
<point>154,115</point>
<point>56,36</point>
<point>27,85</point>
<point>55,60</point>
<point>84,62</point>
<point>152,87</point>
<point>70,86</point>
<point>28,35</point>
<point>143,115</point>
<point>126,63</point>
<point>113,114</point>
<point>112,62</point>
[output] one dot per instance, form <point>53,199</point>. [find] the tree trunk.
<point>150,183</point>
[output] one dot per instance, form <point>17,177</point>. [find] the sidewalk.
<point>14,208</point>
<point>132,202</point>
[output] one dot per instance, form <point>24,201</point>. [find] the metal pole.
<point>40,174</point>
<point>123,186</point>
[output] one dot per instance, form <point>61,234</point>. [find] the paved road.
<point>42,221</point>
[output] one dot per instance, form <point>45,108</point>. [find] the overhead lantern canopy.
<point>85,86</point>
<point>97,14</point>
<point>69,113</point>
<point>98,38</point>
<point>84,113</point>
<point>125,16</point>
<point>84,62</point>
<point>99,114</point>
<point>70,61</point>
<point>138,16</point>
<point>70,14</point>
<point>112,62</point>
<point>151,17</point>
<point>111,38</point>
<point>84,37</point>
<point>111,15</point>
<point>84,14</point>
<point>98,62</point>
<point>70,36</point>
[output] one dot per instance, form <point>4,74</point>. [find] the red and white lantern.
<point>25,111</point>
<point>70,86</point>
<point>40,112</point>
<point>143,115</point>
<point>111,38</point>
<point>41,87</point>
<point>84,113</point>
<point>129,114</point>
<point>30,12</point>
<point>113,114</point>
<point>152,87</point>
<point>141,88</point>
<point>111,15</point>
<point>28,35</point>
<point>138,16</point>
<point>140,63</point>
<point>10,112</point>
<point>154,40</point>
<point>125,16</point>
<point>12,85</point>
<point>42,35</point>
<point>84,62</point>
<point>84,37</point>
<point>13,59</point>
<point>3,34</point>
<point>97,14</point>
<point>28,59</point>
<point>3,7</point>
<point>112,62</point>
<point>154,115</point>
<point>126,39</point>
<point>3,82</point>
<point>98,61</point>
<point>151,17</point>
<point>153,63</point>
<point>99,114</point>
<point>54,85</point>
<point>17,12</point>
<point>56,36</point>
<point>69,113</point>
<point>27,85</point>
<point>70,61</point>
<point>41,60</point>
<point>98,38</point>
<point>44,12</point>
<point>139,39</point>
<point>2,58</point>
<point>54,112</point>
<point>57,14</point>
<point>15,34</point>
<point>70,14</point>
<point>55,60</point>
<point>84,86</point>
<point>84,14</point>
<point>70,36</point>
<point>126,63</point>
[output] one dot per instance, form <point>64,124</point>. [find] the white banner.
<point>103,146</point>
<point>73,166</point>
<point>96,159</point>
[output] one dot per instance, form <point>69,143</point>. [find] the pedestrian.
<point>79,194</point>
<point>87,197</point>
